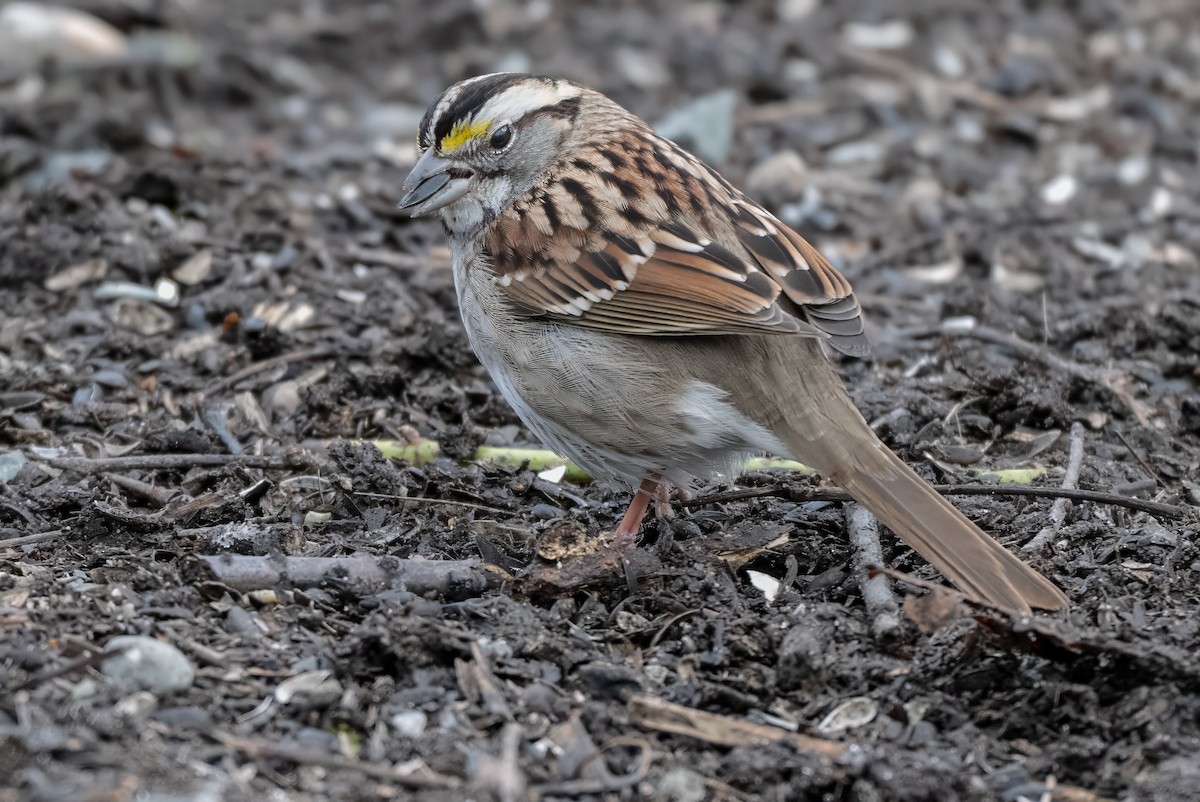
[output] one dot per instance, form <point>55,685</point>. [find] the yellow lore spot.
<point>462,133</point>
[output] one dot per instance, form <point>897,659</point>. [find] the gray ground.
<point>1031,167</point>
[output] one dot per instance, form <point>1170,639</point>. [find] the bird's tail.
<point>819,423</point>
<point>931,525</point>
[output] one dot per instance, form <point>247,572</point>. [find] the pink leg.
<point>627,531</point>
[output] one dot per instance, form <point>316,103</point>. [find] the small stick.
<point>365,574</point>
<point>652,713</point>
<point>388,258</point>
<point>1058,512</point>
<point>877,594</point>
<point>266,364</point>
<point>257,749</point>
<point>176,462</point>
<point>161,496</point>
<point>25,540</point>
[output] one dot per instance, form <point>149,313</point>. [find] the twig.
<point>176,462</point>
<point>803,495</point>
<point>161,496</point>
<point>501,775</point>
<point>364,574</point>
<point>1058,512</point>
<point>87,661</point>
<point>255,749</point>
<point>653,713</point>
<point>388,258</point>
<point>25,540</point>
<point>877,595</point>
<point>267,364</point>
<point>607,783</point>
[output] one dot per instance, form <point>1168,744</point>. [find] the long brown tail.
<point>812,413</point>
<point>927,522</point>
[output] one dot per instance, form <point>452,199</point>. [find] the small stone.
<point>11,463</point>
<point>855,151</point>
<point>682,785</point>
<point>891,35</point>
<point>110,378</point>
<point>195,268</point>
<point>546,512</point>
<point>704,126</point>
<point>409,723</point>
<point>34,31</point>
<point>794,10</point>
<point>283,399</point>
<point>147,664</point>
<point>642,68</point>
<point>778,179</point>
<point>1059,190</point>
<point>948,62</point>
<point>184,719</point>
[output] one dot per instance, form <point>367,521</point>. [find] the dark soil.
<point>1033,167</point>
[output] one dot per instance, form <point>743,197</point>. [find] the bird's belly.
<point>597,399</point>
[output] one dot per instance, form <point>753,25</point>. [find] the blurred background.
<point>199,254</point>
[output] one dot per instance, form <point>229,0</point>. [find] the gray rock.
<point>778,179</point>
<point>682,785</point>
<point>148,664</point>
<point>11,463</point>
<point>704,126</point>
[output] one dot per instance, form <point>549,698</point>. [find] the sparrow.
<point>649,321</point>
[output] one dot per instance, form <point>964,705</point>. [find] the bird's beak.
<point>433,184</point>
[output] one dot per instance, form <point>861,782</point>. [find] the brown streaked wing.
<point>806,277</point>
<point>671,282</point>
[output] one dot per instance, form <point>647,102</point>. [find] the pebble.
<point>778,179</point>
<point>1059,190</point>
<point>283,399</point>
<point>148,664</point>
<point>642,68</point>
<point>856,151</point>
<point>185,719</point>
<point>34,31</point>
<point>110,378</point>
<point>88,394</point>
<point>59,167</point>
<point>704,126</point>
<point>891,35</point>
<point>546,512</point>
<point>11,463</point>
<point>682,785</point>
<point>409,723</point>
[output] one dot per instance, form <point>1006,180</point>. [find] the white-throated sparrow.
<point>650,322</point>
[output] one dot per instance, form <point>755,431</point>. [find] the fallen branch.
<point>178,462</point>
<point>652,713</point>
<point>411,775</point>
<point>25,540</point>
<point>1058,512</point>
<point>267,364</point>
<point>877,595</point>
<point>364,574</point>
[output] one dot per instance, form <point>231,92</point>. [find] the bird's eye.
<point>501,137</point>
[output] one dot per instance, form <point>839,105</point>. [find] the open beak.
<point>433,184</point>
